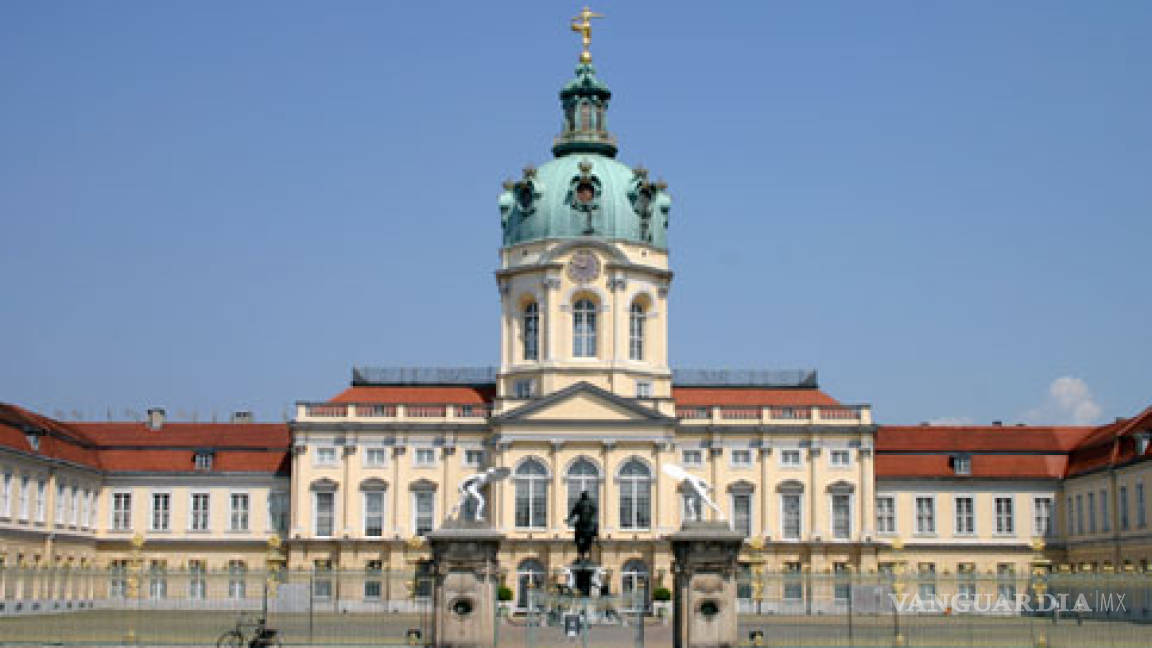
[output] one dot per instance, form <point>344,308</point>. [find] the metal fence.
<point>156,607</point>
<point>168,607</point>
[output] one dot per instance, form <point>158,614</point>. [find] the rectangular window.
<point>793,582</point>
<point>199,521</point>
<point>886,514</point>
<point>325,513</point>
<point>841,516</point>
<point>742,513</point>
<point>85,509</point>
<point>375,457</point>
<point>925,515</point>
<point>790,458</point>
<point>691,457</point>
<point>1091,512</point>
<point>926,576</point>
<point>840,458</point>
<point>197,582</point>
<point>372,584</point>
<point>158,580</point>
<point>122,511</point>
<point>966,581</point>
<point>1105,522</point>
<point>741,458</point>
<point>6,495</point>
<point>1141,510</point>
<point>522,389</point>
<point>790,505</point>
<point>161,511</point>
<point>1080,514</point>
<point>473,458</point>
<point>965,516</point>
<point>1006,581</point>
<point>325,456</point>
<point>61,500</point>
<point>24,495</point>
<point>279,512</point>
<point>203,461</point>
<point>117,578</point>
<point>238,520</point>
<point>425,456</point>
<point>374,514</point>
<point>1005,516</point>
<point>1122,505</point>
<point>843,581</point>
<point>41,499</point>
<point>643,389</point>
<point>425,511</point>
<point>962,464</point>
<point>237,579</point>
<point>322,579</point>
<point>74,508</point>
<point>1042,517</point>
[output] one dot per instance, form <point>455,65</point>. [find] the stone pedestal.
<point>704,589</point>
<point>583,577</point>
<point>464,595</point>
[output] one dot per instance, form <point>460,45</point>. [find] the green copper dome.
<point>585,191</point>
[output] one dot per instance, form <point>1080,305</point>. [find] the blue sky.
<point>942,206</point>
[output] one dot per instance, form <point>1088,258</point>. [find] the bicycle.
<point>261,637</point>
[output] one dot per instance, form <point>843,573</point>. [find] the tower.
<point>584,272</point>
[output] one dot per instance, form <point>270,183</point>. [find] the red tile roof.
<point>133,446</point>
<point>979,438</point>
<point>1038,466</point>
<point>704,396</point>
<point>57,440</point>
<point>232,435</point>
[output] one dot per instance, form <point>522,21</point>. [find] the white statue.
<point>699,485</point>
<point>470,489</point>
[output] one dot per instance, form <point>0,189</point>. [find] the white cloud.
<point>951,420</point>
<point>1069,402</point>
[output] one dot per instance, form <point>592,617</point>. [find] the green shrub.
<point>504,593</point>
<point>661,594</point>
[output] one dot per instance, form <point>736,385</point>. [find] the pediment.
<point>582,402</point>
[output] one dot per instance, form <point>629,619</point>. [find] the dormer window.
<point>203,460</point>
<point>962,464</point>
<point>33,441</point>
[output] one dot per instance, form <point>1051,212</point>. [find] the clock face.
<point>584,266</point>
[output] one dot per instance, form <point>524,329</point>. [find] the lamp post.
<point>898,640</point>
<point>136,566</point>
<point>1040,568</point>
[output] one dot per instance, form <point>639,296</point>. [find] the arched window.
<point>530,576</point>
<point>584,329</point>
<point>635,495</point>
<point>531,328</point>
<point>532,495</point>
<point>633,584</point>
<point>583,477</point>
<point>636,331</point>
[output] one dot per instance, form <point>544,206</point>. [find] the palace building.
<point>584,399</point>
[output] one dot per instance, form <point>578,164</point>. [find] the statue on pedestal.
<point>585,527</point>
<point>700,489</point>
<point>469,489</point>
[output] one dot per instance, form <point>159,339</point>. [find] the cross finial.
<point>582,24</point>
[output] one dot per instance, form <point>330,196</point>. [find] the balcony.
<point>775,415</point>
<point>392,412</point>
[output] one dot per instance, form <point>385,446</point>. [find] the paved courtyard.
<point>196,628</point>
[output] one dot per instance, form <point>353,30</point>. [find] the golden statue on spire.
<point>582,24</point>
